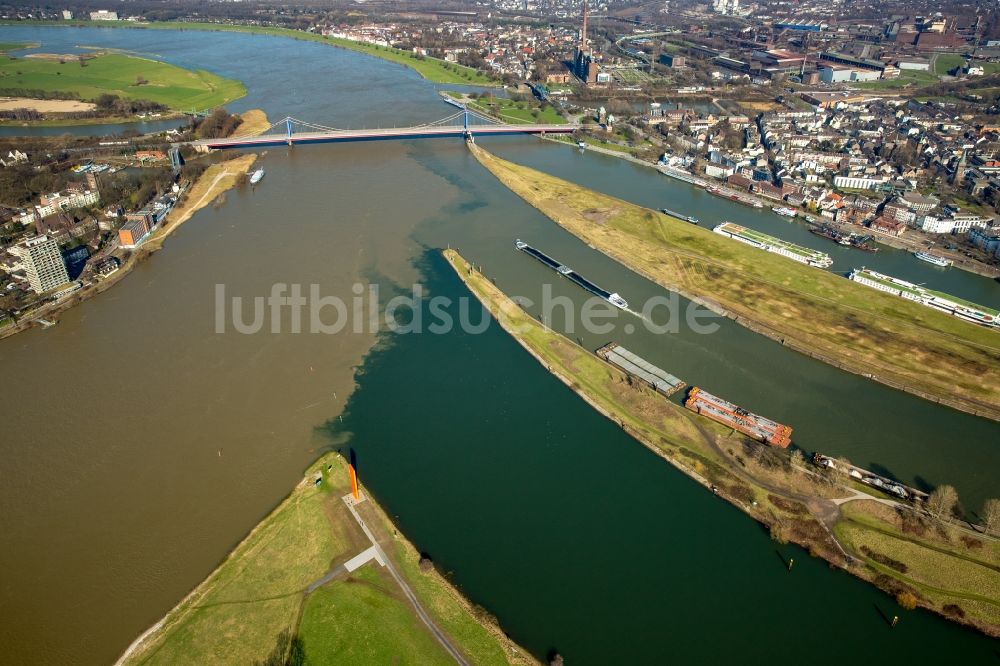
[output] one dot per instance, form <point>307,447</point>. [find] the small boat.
<point>932,259</point>
<point>581,145</point>
<point>787,212</point>
<point>256,176</point>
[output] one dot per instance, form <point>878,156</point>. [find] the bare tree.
<point>942,501</point>
<point>991,515</point>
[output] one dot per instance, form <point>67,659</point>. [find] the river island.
<point>920,559</point>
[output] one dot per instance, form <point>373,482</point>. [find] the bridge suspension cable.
<point>447,121</point>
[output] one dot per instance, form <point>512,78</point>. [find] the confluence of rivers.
<point>140,445</point>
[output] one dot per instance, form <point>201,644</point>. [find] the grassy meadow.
<point>123,75</point>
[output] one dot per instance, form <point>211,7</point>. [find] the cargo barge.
<point>679,216</point>
<point>681,175</point>
<point>863,243</point>
<point>744,199</point>
<point>957,307</point>
<point>872,479</point>
<point>567,272</point>
<point>750,424</point>
<point>638,367</point>
<point>801,254</point>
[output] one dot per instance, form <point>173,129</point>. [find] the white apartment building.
<point>43,263</point>
<point>966,221</point>
<point>56,202</point>
<point>935,225</point>
<point>858,182</point>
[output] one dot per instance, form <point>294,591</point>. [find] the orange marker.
<point>354,482</point>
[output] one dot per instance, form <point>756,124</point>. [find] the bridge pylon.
<point>466,132</point>
<point>288,130</point>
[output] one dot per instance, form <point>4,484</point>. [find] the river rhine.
<point>140,445</point>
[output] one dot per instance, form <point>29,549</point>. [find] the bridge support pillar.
<point>467,133</point>
<point>288,130</point>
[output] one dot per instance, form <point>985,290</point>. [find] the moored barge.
<point>757,427</point>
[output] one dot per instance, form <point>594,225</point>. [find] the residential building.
<point>858,183</point>
<point>985,238</point>
<point>43,263</point>
<point>133,232</point>
<point>887,225</point>
<point>918,203</point>
<point>964,222</point>
<point>103,15</point>
<point>935,225</point>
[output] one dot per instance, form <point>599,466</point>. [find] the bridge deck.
<point>426,132</point>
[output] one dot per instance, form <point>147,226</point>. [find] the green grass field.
<point>518,112</point>
<point>373,624</point>
<point>118,74</point>
<point>906,78</point>
<point>431,69</point>
<point>863,330</point>
<point>946,62</point>
<point>938,564</point>
<point>13,46</point>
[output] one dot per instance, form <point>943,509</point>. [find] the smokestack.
<point>583,32</point>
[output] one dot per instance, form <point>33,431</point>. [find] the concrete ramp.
<point>372,553</point>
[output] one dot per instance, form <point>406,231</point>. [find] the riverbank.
<point>252,123</point>
<point>210,185</point>
<point>909,241</point>
<point>849,528</point>
<point>432,69</point>
<point>880,336</point>
<point>274,595</point>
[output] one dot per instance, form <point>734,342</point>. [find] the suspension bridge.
<point>465,123</point>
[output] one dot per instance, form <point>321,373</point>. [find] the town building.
<point>103,15</point>
<point>887,225</point>
<point>858,182</point>
<point>43,263</point>
<point>58,202</point>
<point>133,232</point>
<point>672,61</point>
